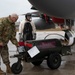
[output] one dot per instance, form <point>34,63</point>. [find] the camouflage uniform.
<point>7,32</point>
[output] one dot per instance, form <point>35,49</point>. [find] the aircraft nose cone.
<point>56,8</point>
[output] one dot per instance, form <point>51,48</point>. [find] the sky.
<point>8,7</point>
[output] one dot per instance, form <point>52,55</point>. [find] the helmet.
<point>28,14</point>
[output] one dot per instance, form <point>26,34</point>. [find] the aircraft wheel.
<point>54,60</point>
<point>16,68</point>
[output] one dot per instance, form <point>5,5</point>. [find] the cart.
<point>35,51</point>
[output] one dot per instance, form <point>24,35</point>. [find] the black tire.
<point>16,69</point>
<point>54,61</point>
<point>37,63</point>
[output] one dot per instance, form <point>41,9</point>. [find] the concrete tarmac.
<point>67,65</point>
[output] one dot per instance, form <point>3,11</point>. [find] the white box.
<point>33,51</point>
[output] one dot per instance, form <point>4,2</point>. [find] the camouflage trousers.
<point>4,54</point>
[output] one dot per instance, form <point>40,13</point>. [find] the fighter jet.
<point>47,21</point>
<point>56,8</point>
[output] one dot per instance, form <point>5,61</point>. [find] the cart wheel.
<point>54,60</point>
<point>16,68</point>
<point>37,63</point>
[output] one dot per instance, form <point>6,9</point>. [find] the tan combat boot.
<point>1,72</point>
<point>8,69</point>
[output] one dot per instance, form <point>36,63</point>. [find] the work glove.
<point>34,36</point>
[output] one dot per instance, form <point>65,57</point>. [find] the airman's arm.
<point>34,30</point>
<point>1,30</point>
<point>33,26</point>
<point>13,37</point>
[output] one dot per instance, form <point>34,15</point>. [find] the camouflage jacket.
<point>7,31</point>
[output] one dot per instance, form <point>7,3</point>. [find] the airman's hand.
<point>34,36</point>
<point>1,44</point>
<point>18,45</point>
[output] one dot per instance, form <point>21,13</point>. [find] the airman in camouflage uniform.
<point>7,32</point>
